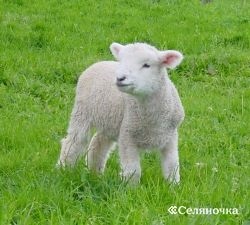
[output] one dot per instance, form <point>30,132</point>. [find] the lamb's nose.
<point>119,79</point>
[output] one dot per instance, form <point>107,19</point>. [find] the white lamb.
<point>131,101</point>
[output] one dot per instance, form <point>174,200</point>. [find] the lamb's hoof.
<point>60,165</point>
<point>131,179</point>
<point>173,180</point>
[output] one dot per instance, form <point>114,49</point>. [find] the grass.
<point>44,47</point>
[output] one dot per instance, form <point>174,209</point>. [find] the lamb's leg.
<point>170,160</point>
<point>98,152</point>
<point>130,163</point>
<point>73,144</point>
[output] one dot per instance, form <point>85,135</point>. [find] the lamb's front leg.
<point>130,162</point>
<point>170,160</point>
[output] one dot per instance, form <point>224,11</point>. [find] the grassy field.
<point>44,46</point>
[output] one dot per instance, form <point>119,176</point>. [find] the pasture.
<point>44,47</point>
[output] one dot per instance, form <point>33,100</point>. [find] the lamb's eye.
<point>145,65</point>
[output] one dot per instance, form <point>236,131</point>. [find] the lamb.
<point>131,101</point>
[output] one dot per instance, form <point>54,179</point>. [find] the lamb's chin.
<point>137,93</point>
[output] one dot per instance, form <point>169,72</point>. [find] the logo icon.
<point>172,209</point>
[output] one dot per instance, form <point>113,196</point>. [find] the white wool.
<point>132,102</point>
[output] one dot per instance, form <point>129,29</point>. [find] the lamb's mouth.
<point>123,85</point>
<point>128,88</point>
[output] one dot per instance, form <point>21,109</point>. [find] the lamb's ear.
<point>170,58</point>
<point>115,49</point>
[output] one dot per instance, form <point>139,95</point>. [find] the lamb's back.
<point>100,98</point>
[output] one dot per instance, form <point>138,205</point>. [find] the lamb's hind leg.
<point>98,152</point>
<point>73,144</point>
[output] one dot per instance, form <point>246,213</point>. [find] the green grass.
<point>44,46</point>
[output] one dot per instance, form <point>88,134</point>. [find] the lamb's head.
<point>141,67</point>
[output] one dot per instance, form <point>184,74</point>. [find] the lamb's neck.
<point>155,104</point>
